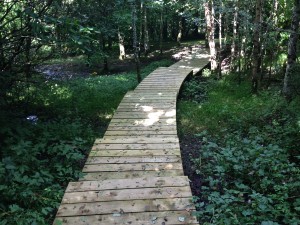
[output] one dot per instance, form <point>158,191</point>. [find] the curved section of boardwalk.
<point>134,174</point>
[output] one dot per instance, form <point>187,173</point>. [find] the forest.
<point>65,65</point>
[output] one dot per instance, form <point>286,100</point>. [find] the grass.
<point>226,105</point>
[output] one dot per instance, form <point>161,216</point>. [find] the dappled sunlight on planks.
<point>134,174</point>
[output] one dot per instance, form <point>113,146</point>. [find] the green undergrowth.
<point>40,156</point>
<point>249,158</point>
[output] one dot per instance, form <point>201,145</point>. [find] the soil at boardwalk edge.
<point>190,148</point>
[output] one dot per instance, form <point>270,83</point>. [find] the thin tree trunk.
<point>141,27</point>
<point>210,24</point>
<point>135,47</point>
<point>122,55</point>
<point>161,32</point>
<point>226,25</point>
<point>292,52</point>
<point>180,28</point>
<point>2,58</point>
<point>146,33</point>
<point>220,28</point>
<point>28,41</point>
<point>234,37</point>
<point>275,16</point>
<point>256,47</point>
<point>239,60</point>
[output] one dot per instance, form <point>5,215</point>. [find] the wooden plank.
<point>152,94</point>
<point>155,86</point>
<point>154,119</point>
<point>172,85</point>
<point>141,115</point>
<point>131,167</point>
<point>150,97</point>
<point>165,83</point>
<point>148,111</point>
<point>144,108</point>
<point>130,175</point>
<point>142,140</point>
<point>139,132</point>
<point>138,139</point>
<point>121,207</point>
<point>154,127</point>
<point>158,106</point>
<point>132,159</point>
<point>142,128</point>
<point>152,124</point>
<point>148,101</point>
<point>145,218</point>
<point>127,194</point>
<point>168,81</point>
<point>154,146</point>
<point>134,153</point>
<point>145,182</point>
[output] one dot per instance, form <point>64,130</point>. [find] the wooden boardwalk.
<point>134,174</point>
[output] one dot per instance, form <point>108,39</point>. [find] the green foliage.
<point>249,159</point>
<point>248,179</point>
<point>37,162</point>
<point>195,90</point>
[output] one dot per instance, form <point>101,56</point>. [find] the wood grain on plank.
<point>121,207</point>
<point>146,146</point>
<point>130,175</point>
<point>118,153</point>
<point>137,140</point>
<point>145,182</point>
<point>127,194</point>
<point>145,218</point>
<point>154,119</point>
<point>132,159</point>
<point>139,132</point>
<point>131,167</point>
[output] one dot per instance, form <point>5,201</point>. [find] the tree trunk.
<point>210,24</point>
<point>135,47</point>
<point>2,57</point>
<point>28,42</point>
<point>292,52</point>
<point>141,27</point>
<point>256,47</point>
<point>180,28</point>
<point>220,28</point>
<point>146,33</point>
<point>275,16</point>
<point>122,55</point>
<point>161,32</point>
<point>234,37</point>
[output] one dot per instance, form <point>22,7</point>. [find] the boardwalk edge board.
<point>134,174</point>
